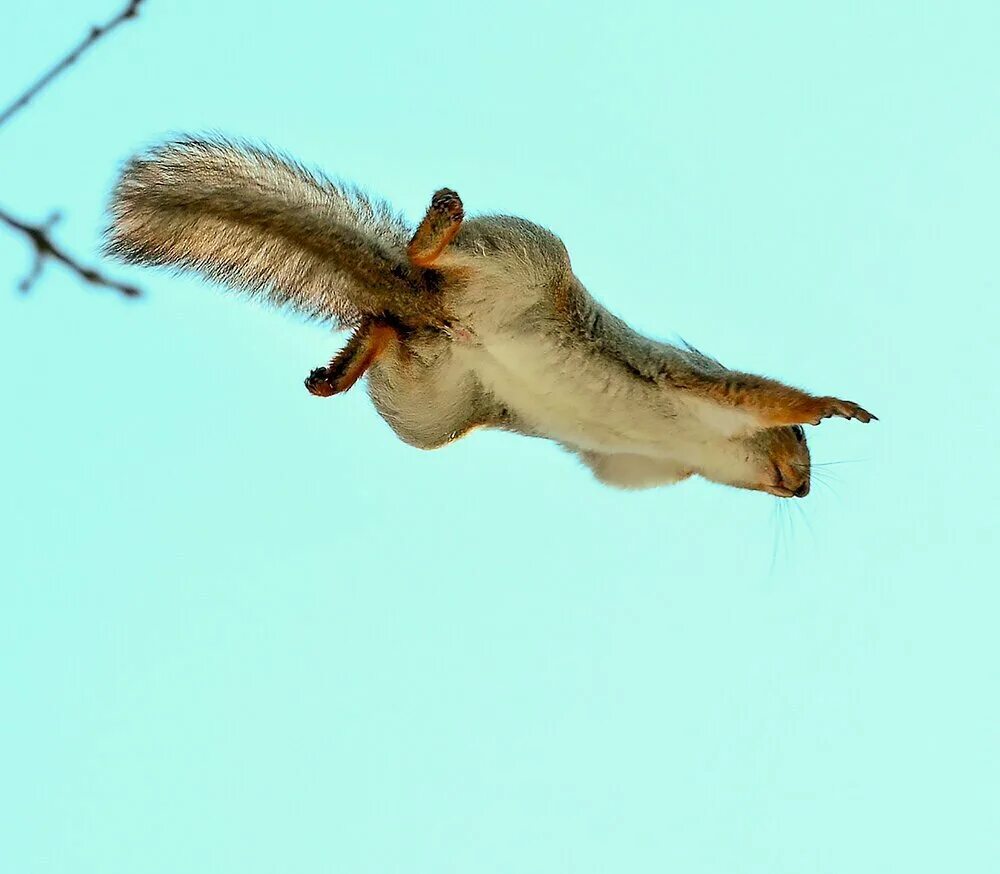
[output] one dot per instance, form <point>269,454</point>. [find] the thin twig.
<point>39,235</point>
<point>131,10</point>
<point>45,250</point>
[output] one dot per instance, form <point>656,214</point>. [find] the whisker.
<point>779,548</point>
<point>783,514</point>
<point>805,518</point>
<point>826,476</point>
<point>829,487</point>
<point>786,514</point>
<point>774,539</point>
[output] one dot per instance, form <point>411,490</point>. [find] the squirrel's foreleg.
<point>769,403</point>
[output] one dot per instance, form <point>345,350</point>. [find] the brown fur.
<point>438,228</point>
<point>773,403</point>
<point>366,345</point>
<point>461,323</point>
<point>266,226</point>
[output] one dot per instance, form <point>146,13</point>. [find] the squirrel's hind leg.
<point>440,224</point>
<point>364,348</point>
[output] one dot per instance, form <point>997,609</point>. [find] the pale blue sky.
<point>246,630</point>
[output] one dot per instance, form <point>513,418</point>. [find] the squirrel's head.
<point>775,461</point>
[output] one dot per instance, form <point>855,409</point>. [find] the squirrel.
<point>461,323</point>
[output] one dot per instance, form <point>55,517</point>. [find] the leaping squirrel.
<point>462,322</point>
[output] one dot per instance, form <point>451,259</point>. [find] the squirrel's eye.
<point>800,434</point>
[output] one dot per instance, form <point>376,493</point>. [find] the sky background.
<point>243,629</point>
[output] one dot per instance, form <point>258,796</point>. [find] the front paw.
<point>827,408</point>
<point>319,384</point>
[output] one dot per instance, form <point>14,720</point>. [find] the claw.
<point>845,410</point>
<point>448,202</point>
<point>318,383</point>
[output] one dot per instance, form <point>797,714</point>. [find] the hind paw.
<point>318,383</point>
<point>448,203</point>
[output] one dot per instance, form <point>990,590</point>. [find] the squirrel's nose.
<point>802,490</point>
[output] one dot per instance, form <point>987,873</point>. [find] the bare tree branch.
<point>45,250</point>
<point>39,236</point>
<point>131,10</point>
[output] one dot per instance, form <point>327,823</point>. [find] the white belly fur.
<point>581,400</point>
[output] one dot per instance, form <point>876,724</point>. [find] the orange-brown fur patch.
<point>372,342</point>
<point>426,257</point>
<point>771,402</point>
<point>368,343</point>
<point>438,228</point>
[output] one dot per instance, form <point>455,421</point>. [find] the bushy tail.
<point>259,223</point>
